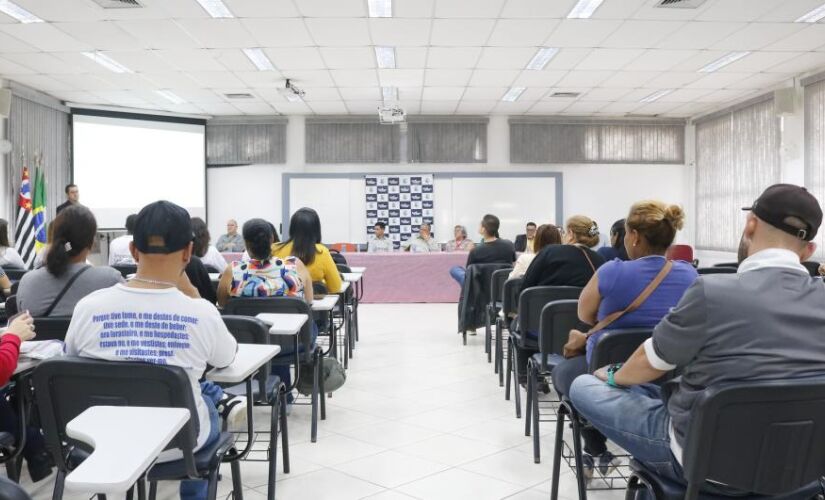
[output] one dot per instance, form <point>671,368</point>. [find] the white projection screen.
<point>121,164</point>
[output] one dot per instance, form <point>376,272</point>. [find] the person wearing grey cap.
<point>161,319</point>
<point>762,323</point>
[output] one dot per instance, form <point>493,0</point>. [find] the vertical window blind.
<point>737,157</point>
<point>815,147</point>
<point>245,141</point>
<point>449,140</point>
<point>350,140</point>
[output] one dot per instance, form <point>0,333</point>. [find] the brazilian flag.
<point>39,211</point>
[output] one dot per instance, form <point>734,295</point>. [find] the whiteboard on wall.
<point>459,199</point>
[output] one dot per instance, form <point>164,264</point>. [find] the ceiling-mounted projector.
<point>291,92</point>
<point>390,114</point>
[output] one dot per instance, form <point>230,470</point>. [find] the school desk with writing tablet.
<point>283,324</point>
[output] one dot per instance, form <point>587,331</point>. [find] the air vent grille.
<point>566,95</point>
<point>119,4</point>
<point>680,4</point>
<point>239,96</point>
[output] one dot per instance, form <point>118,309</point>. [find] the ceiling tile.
<point>476,107</point>
<point>8,67</point>
<point>789,10</point>
<point>41,62</point>
<point>620,108</point>
<point>745,10</point>
<point>362,107</point>
<point>413,8</point>
<point>756,36</point>
<point>656,108</point>
<point>44,36</point>
<point>190,59</point>
<point>521,32</point>
<point>685,95</point>
<point>725,96</point>
<point>219,108</point>
<point>810,38</point>
<point>269,32</point>
<point>338,8</point>
<point>257,79</point>
<point>605,94</point>
<point>295,58</point>
<point>158,34</point>
<point>698,61</point>
<point>87,82</point>
<point>328,107</point>
<point>534,93</point>
<point>608,59</point>
<point>659,60</point>
<point>506,57</point>
<point>262,8</point>
<point>76,96</point>
<point>101,35</point>
<point>461,32</point>
<point>699,35</point>
<point>512,108</point>
<point>348,57</point>
<point>360,93</point>
<point>44,83</point>
<point>718,80</point>
<point>254,108</point>
<point>618,9</point>
<point>762,81</point>
<point>462,8</point>
<point>674,79</point>
<point>355,78</point>
<point>548,107</point>
<point>546,78</point>
<point>140,61</point>
<point>484,93</point>
<point>585,107</point>
<point>760,61</point>
<point>438,107</point>
<point>331,32</point>
<point>400,32</point>
<point>629,79</point>
<point>493,78</point>
<point>809,61</point>
<point>442,93</point>
<point>232,59</point>
<point>641,34</point>
<point>216,79</point>
<point>312,78</point>
<point>447,77</point>
<point>408,94</point>
<point>581,33</point>
<point>401,77</point>
<point>11,44</point>
<point>218,33</point>
<point>171,80</point>
<point>322,94</point>
<point>528,9</point>
<point>410,57</point>
<point>585,78</point>
<point>198,95</point>
<point>453,57</point>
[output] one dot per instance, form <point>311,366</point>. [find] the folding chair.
<point>530,303</point>
<point>304,350</point>
<point>65,387</point>
<point>614,346</point>
<point>473,305</point>
<point>52,327</point>
<point>759,437</point>
<point>509,308</point>
<point>496,288</point>
<point>557,319</point>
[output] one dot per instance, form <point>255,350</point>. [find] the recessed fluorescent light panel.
<point>389,93</point>
<point>385,56</point>
<point>216,8</point>
<point>107,62</point>
<point>513,94</point>
<point>813,16</point>
<point>259,59</point>
<point>12,9</point>
<point>380,8</point>
<point>542,57</point>
<point>723,61</point>
<point>656,95</point>
<point>170,96</point>
<point>584,9</point>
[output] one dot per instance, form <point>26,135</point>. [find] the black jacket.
<point>475,295</point>
<point>521,243</point>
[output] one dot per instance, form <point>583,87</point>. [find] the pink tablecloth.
<point>404,277</point>
<point>408,277</point>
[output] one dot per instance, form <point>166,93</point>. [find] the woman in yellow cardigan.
<point>305,243</point>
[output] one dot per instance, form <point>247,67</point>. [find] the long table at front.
<point>402,277</point>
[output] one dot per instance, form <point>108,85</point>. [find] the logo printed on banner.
<point>403,202</point>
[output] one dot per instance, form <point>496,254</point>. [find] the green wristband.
<point>611,374</point>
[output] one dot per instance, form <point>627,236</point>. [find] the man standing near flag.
<point>72,197</point>
<point>24,237</point>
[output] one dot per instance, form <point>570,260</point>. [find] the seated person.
<point>54,290</point>
<point>231,241</point>
<point>460,243</point>
<point>546,234</point>
<point>492,250</point>
<point>119,247</point>
<point>423,242</point>
<point>266,276</point>
<point>651,227</point>
<point>20,329</point>
<point>380,242</point>
<point>9,258</point>
<point>200,279</point>
<point>305,243</point>
<point>162,247</point>
<point>571,264</point>
<point>616,249</point>
<point>208,254</point>
<point>524,242</point>
<point>761,323</point>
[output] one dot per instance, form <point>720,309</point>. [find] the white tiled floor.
<point>421,416</point>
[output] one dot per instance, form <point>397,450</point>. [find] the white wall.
<point>4,181</point>
<point>604,192</point>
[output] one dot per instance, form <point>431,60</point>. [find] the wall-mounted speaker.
<point>785,101</point>
<point>5,103</point>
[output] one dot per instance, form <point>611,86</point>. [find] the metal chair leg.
<point>284,433</point>
<point>528,403</point>
<point>59,482</point>
<point>554,491</point>
<point>509,374</point>
<point>315,389</point>
<point>212,489</point>
<point>577,453</point>
<point>153,490</point>
<point>275,418</point>
<point>141,488</point>
<point>535,397</point>
<point>516,377</point>
<point>237,484</point>
<point>322,391</point>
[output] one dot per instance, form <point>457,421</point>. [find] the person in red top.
<point>20,329</point>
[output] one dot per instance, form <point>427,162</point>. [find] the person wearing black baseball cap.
<point>761,323</point>
<point>158,317</point>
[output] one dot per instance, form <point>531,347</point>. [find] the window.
<point>350,141</point>
<point>815,147</point>
<point>245,142</point>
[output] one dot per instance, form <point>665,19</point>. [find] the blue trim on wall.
<point>286,179</point>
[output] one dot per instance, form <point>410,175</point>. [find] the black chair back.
<point>716,270</point>
<point>337,257</point>
<point>212,269</point>
<point>531,302</point>
<point>126,269</point>
<point>252,306</point>
<point>509,296</point>
<point>15,273</point>
<point>52,327</point>
<point>556,321</point>
<point>343,268</point>
<point>497,286</point>
<point>9,490</point>
<point>727,264</point>
<point>319,288</point>
<point>67,386</point>
<point>249,330</point>
<point>761,437</point>
<point>11,306</point>
<point>615,346</point>
<point>812,267</point>
<point>475,295</point>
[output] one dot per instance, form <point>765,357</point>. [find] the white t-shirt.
<point>119,251</point>
<point>214,258</point>
<point>169,328</point>
<point>10,258</point>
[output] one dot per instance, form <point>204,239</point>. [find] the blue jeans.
<point>635,418</point>
<point>196,489</point>
<point>458,273</point>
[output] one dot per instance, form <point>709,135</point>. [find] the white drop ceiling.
<point>452,56</point>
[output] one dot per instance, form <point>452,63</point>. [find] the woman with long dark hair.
<point>616,250</point>
<point>305,243</point>
<point>9,258</point>
<point>74,232</point>
<point>209,254</point>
